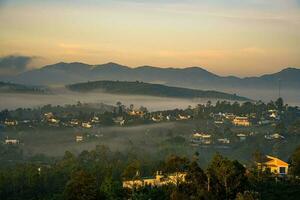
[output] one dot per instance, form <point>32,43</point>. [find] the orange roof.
<point>276,161</point>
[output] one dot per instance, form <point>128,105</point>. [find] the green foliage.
<point>81,186</point>
<point>295,163</point>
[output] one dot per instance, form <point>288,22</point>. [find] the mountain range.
<point>191,77</point>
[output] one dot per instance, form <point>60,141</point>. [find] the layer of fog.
<point>55,143</point>
<point>62,96</point>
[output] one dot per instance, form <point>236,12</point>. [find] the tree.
<point>81,186</point>
<point>279,104</point>
<point>295,163</point>
<point>197,183</point>
<point>132,170</point>
<point>227,177</point>
<point>247,195</point>
<point>176,164</point>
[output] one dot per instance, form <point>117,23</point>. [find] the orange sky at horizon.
<point>224,37</point>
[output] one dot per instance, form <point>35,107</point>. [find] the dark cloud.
<point>11,65</point>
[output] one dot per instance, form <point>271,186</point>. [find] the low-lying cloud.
<point>14,64</point>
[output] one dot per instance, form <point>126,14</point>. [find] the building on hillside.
<point>242,136</point>
<point>119,120</point>
<point>218,122</point>
<point>229,116</point>
<point>274,165</point>
<point>11,122</point>
<point>86,125</point>
<point>275,136</point>
<point>53,120</point>
<point>74,122</point>
<point>157,118</point>
<point>12,141</point>
<point>79,138</point>
<point>183,117</point>
<point>241,121</point>
<point>159,180</point>
<point>274,114</point>
<point>223,140</point>
<point>201,138</point>
<point>48,115</point>
<point>136,113</point>
<point>95,120</point>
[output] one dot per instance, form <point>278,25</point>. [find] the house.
<point>119,120</point>
<point>74,122</point>
<point>274,136</point>
<point>229,116</point>
<point>201,138</point>
<point>274,165</point>
<point>183,117</point>
<point>273,114</point>
<point>218,122</point>
<point>224,140</point>
<point>12,141</point>
<point>49,115</point>
<point>79,138</point>
<point>241,121</point>
<point>155,119</point>
<point>53,120</point>
<point>95,119</point>
<point>136,113</point>
<point>86,125</point>
<point>242,136</point>
<point>11,122</point>
<point>158,180</point>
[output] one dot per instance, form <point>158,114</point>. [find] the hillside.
<point>6,87</point>
<point>141,88</point>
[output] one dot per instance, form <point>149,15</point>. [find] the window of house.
<point>282,170</point>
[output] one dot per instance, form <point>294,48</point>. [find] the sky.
<point>227,37</point>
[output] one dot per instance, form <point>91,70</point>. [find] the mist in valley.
<point>61,96</point>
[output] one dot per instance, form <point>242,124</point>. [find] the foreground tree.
<point>227,177</point>
<point>81,186</point>
<point>295,163</point>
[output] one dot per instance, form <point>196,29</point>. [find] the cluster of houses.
<point>220,118</point>
<point>203,139</point>
<point>207,139</point>
<point>269,117</point>
<point>271,164</point>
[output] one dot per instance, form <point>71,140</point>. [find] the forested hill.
<point>141,88</point>
<point>6,87</point>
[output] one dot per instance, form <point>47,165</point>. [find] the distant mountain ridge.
<point>191,77</point>
<point>141,88</point>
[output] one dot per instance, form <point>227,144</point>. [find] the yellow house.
<point>241,121</point>
<point>158,180</point>
<point>275,165</point>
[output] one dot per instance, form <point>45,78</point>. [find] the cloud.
<point>14,64</point>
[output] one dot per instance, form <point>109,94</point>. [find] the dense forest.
<point>141,88</point>
<point>98,174</point>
